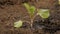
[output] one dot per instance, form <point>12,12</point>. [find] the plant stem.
<point>31,23</point>
<point>32,19</point>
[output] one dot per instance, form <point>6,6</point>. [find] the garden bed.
<point>13,10</point>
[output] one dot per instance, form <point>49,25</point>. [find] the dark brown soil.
<point>13,10</point>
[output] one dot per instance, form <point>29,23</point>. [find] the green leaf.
<point>44,13</point>
<point>18,24</point>
<point>59,1</point>
<point>31,9</point>
<point>27,6</point>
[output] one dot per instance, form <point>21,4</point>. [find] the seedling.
<point>44,13</point>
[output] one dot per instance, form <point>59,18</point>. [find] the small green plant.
<point>44,13</point>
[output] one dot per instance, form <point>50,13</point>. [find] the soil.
<point>13,10</point>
